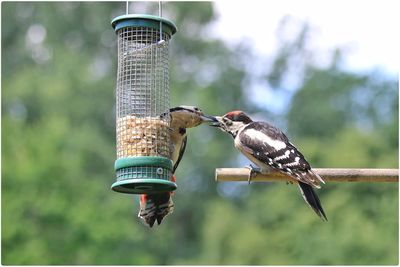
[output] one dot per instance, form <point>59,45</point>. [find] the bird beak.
<point>206,118</point>
<point>216,121</point>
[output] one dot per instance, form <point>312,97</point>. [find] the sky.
<point>369,29</point>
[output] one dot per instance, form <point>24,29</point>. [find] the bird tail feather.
<point>155,207</point>
<point>312,200</point>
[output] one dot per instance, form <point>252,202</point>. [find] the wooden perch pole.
<point>328,175</point>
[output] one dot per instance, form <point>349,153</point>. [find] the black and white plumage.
<point>269,148</point>
<point>154,207</point>
<point>182,118</point>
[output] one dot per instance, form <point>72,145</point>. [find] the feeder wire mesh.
<point>142,93</point>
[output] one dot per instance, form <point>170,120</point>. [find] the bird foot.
<point>289,182</point>
<point>173,178</point>
<point>254,170</point>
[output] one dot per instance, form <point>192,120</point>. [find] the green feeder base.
<point>143,186</point>
<point>143,175</point>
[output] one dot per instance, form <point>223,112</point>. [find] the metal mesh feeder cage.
<point>143,162</point>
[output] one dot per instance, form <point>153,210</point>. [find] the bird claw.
<point>254,170</point>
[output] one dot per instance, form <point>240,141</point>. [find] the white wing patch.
<point>277,144</point>
<point>294,163</point>
<point>284,156</point>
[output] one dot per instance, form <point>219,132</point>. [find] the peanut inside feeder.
<point>142,137</point>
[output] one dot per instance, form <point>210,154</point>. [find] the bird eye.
<point>227,121</point>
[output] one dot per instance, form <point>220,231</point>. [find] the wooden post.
<point>328,175</point>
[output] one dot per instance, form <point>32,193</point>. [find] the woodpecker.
<point>154,207</point>
<point>270,149</point>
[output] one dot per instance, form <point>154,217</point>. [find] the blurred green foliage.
<point>58,150</point>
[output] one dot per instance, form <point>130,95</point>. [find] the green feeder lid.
<point>143,20</point>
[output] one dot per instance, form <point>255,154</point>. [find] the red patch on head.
<point>233,114</point>
<point>238,115</point>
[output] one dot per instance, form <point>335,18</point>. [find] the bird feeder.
<point>143,162</point>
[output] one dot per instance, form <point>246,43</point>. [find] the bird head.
<point>188,116</point>
<point>232,122</point>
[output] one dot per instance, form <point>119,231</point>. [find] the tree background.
<point>58,147</point>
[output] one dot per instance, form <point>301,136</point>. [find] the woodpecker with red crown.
<point>270,149</point>
<point>154,207</point>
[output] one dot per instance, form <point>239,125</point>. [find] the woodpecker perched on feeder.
<point>269,148</point>
<point>156,206</point>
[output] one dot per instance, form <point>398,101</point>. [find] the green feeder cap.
<point>143,175</point>
<point>143,20</point>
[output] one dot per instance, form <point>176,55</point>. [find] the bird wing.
<point>270,146</point>
<point>181,152</point>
